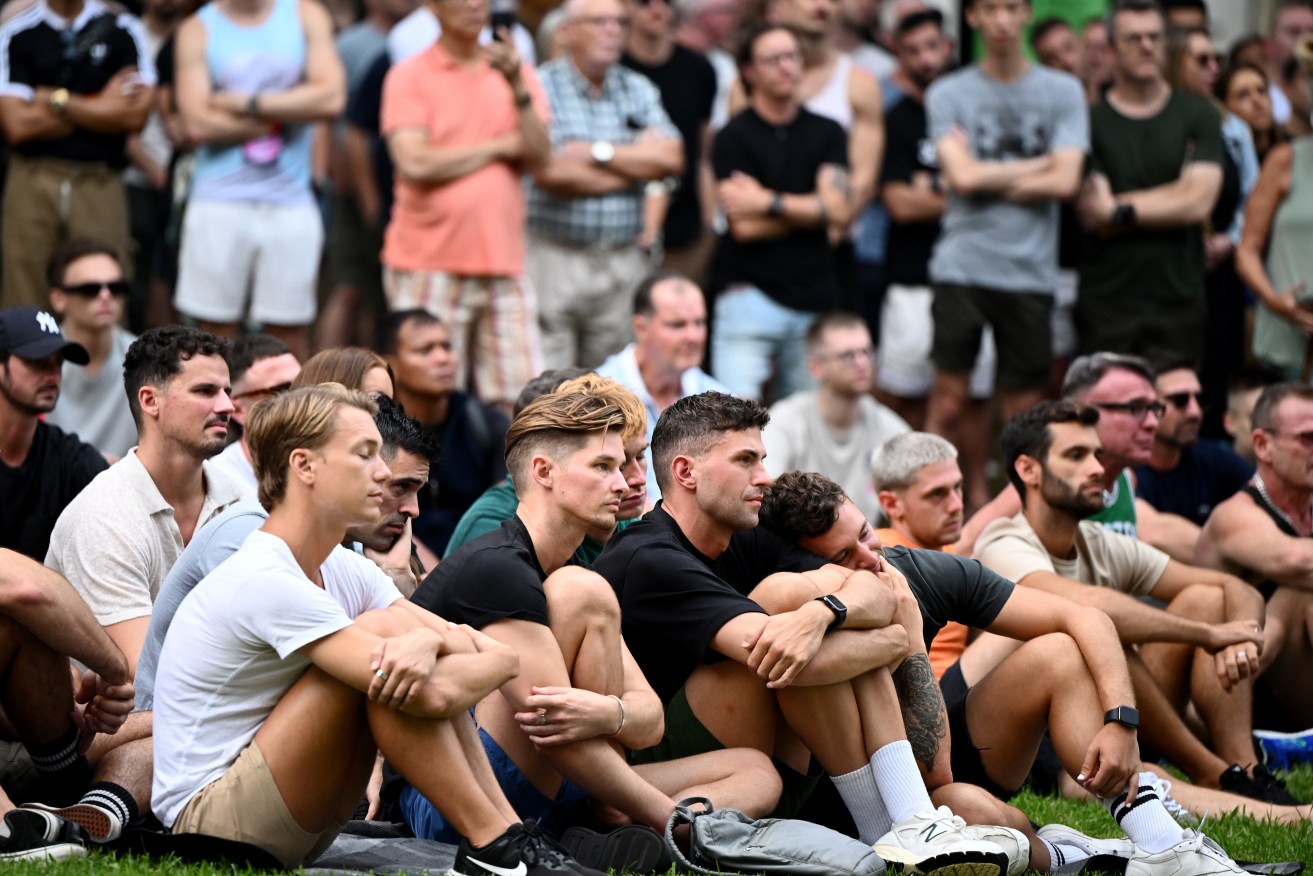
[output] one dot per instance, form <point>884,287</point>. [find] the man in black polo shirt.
<point>41,467</point>
<point>556,733</point>
<point>699,582</point>
<point>76,79</point>
<point>783,184</point>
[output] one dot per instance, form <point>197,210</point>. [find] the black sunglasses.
<point>1137,408</point>
<point>91,290</point>
<point>1181,400</point>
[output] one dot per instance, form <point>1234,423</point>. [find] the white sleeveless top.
<point>832,100</point>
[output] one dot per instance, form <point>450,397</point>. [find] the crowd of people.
<point>357,456</point>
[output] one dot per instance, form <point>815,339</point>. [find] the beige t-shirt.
<point>1103,557</point>
<point>117,540</point>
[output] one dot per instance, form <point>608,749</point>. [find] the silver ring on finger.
<point>1242,656</point>
<point>542,718</point>
<point>382,675</point>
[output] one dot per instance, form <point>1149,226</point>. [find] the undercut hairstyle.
<point>72,250</point>
<point>916,20</point>
<point>692,424</point>
<point>157,356</point>
<point>401,432</point>
<point>617,394</point>
<point>896,463</point>
<point>304,418</point>
<point>390,325</point>
<point>1085,371</point>
<point>1248,379</point>
<point>345,365</point>
<point>557,425</point>
<point>547,382</point>
<point>834,319</point>
<point>643,305</point>
<point>1121,6</point>
<point>249,349</point>
<point>1044,28</point>
<point>1265,409</point>
<point>801,504</point>
<point>1028,433</point>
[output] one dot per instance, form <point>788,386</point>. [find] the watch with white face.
<point>603,151</point>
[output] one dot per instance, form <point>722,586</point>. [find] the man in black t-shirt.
<point>556,733</point>
<point>1071,661</point>
<point>749,641</point>
<point>41,467</point>
<point>782,175</point>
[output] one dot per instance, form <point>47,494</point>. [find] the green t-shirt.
<point>1157,268</point>
<point>495,507</point>
<point>1118,512</point>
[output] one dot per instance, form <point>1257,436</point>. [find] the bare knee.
<point>976,805</point>
<point>1058,653</point>
<point>576,592</point>
<point>784,592</point>
<point>1201,603</point>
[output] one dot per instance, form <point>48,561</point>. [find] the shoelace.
<point>538,847</point>
<point>1164,790</point>
<point>1267,780</point>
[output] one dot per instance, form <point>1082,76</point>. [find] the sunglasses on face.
<point>1181,400</point>
<point>91,290</point>
<point>1136,408</point>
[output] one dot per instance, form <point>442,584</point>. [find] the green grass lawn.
<point>1243,838</point>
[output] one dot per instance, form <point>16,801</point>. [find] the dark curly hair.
<point>156,357</point>
<point>401,432</point>
<point>801,504</point>
<point>694,423</point>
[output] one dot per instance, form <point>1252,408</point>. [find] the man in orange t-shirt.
<point>919,485</point>
<point>463,123</point>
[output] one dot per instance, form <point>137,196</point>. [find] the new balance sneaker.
<point>1262,785</point>
<point>27,834</point>
<point>1283,750</point>
<point>1013,842</point>
<point>523,850</point>
<point>933,843</point>
<point>102,824</point>
<point>634,848</point>
<point>1078,852</point>
<point>1194,855</point>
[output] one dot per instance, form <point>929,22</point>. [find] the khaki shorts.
<point>244,805</point>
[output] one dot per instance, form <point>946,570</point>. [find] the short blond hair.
<point>557,424</point>
<point>617,394</point>
<point>303,418</point>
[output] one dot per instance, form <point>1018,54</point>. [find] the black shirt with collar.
<point>38,48</point>
<point>36,492</point>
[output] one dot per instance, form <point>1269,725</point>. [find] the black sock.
<point>115,798</point>
<point>64,772</point>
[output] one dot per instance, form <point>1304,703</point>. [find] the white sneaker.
<point>933,842</point>
<point>1014,843</point>
<point>1094,853</point>
<point>1174,809</point>
<point>1194,855</point>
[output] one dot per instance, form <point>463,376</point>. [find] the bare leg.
<point>736,778</point>
<point>973,441</point>
<point>947,400</point>
<point>34,685</point>
<point>1288,672</point>
<point>221,329</point>
<point>1016,401</point>
<point>975,805</point>
<point>913,410</point>
<point>1210,802</point>
<point>1163,730</point>
<point>297,338</point>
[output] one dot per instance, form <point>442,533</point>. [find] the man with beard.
<point>117,541</point>
<point>41,467</point>
<point>1185,476</point>
<point>1203,648</point>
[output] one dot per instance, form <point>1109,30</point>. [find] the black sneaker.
<point>634,848</point>
<point>523,850</point>
<point>1262,785</point>
<point>32,835</point>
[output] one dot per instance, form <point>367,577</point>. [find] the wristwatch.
<point>1124,715</point>
<point>58,101</point>
<point>1123,216</point>
<point>603,151</point>
<point>776,207</point>
<point>840,610</point>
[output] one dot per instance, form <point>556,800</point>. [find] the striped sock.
<point>64,772</point>
<point>1145,820</point>
<point>112,798</point>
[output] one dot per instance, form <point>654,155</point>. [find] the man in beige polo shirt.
<point>118,540</point>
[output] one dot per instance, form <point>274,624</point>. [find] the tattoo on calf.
<point>924,712</point>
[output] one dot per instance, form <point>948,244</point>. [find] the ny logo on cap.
<point>47,322</point>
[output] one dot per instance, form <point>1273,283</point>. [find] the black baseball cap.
<point>30,333</point>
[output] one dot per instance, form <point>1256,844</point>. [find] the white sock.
<point>864,803</point>
<point>1067,859</point>
<point>899,782</point>
<point>1146,821</point>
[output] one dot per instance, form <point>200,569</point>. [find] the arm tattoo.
<point>841,182</point>
<point>924,711</point>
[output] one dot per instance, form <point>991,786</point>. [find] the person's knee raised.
<point>784,592</point>
<point>1201,602</point>
<point>577,592</point>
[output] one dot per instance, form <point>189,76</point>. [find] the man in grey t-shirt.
<point>1011,138</point>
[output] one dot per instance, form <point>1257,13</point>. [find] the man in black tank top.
<point>1265,534</point>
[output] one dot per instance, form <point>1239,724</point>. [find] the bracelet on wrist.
<point>623,715</point>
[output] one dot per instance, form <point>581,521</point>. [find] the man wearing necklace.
<point>1204,648</point>
<point>1263,533</point>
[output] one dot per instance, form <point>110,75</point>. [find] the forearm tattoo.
<point>924,712</point>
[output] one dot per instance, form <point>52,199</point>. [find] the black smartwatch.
<point>1124,715</point>
<point>840,610</point>
<point>1124,215</point>
<point>776,207</point>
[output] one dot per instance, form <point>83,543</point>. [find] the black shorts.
<point>966,762</point>
<point>1023,332</point>
<point>1152,332</point>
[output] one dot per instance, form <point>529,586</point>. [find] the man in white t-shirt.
<point>287,666</point>
<point>836,428</point>
<point>1203,648</point>
<point>259,365</point>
